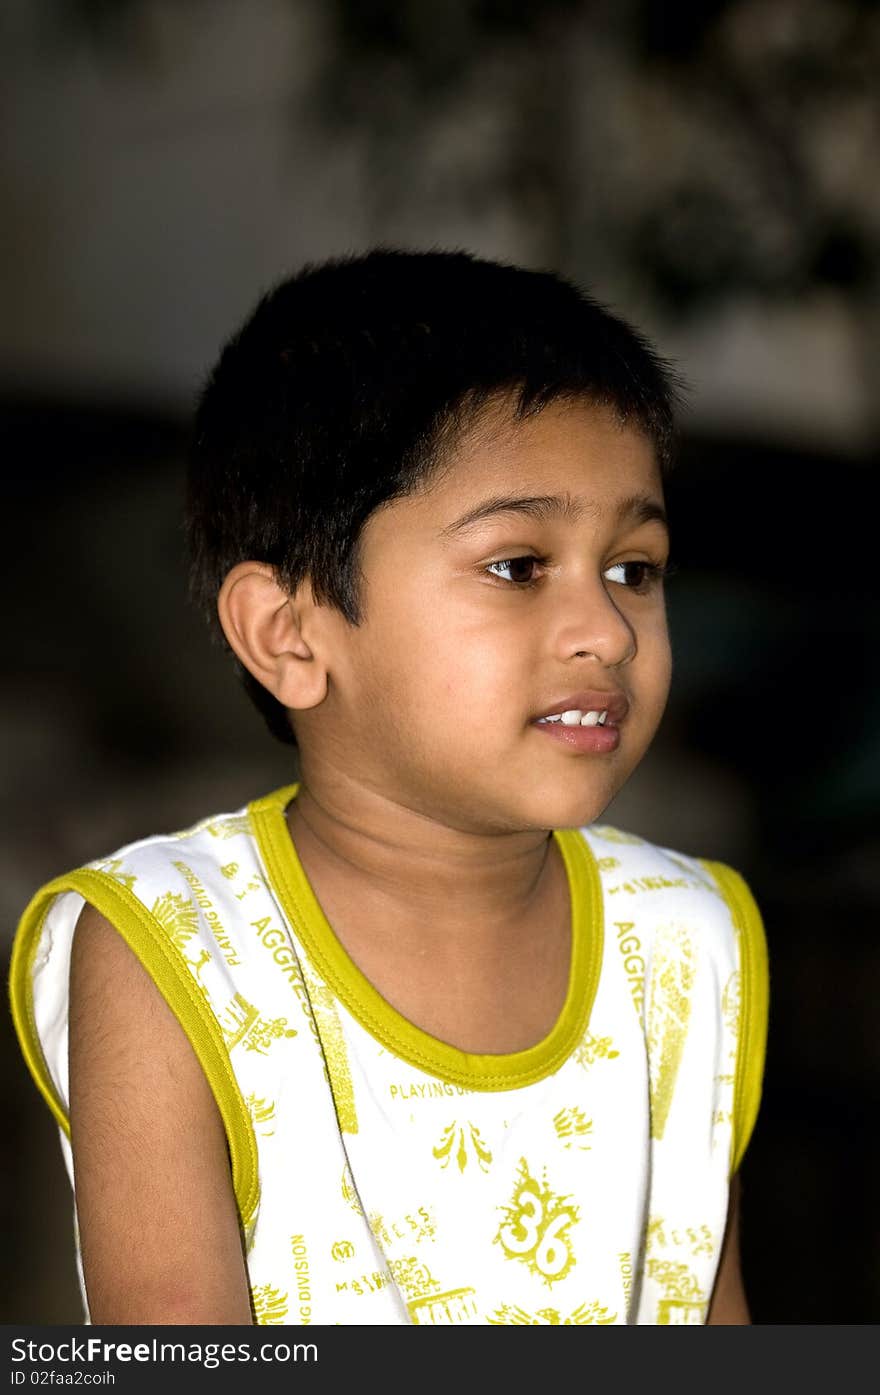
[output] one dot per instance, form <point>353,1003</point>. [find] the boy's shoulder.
<point>627,859</point>
<point>638,873</point>
<point>180,880</point>
<point>233,847</point>
<point>625,855</point>
<point>223,839</point>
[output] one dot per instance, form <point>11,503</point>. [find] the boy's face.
<point>433,699</point>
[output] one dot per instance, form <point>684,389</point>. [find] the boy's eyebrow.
<point>641,508</point>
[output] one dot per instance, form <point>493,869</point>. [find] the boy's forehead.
<point>577,451</point>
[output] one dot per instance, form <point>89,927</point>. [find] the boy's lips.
<point>612,700</point>
<point>597,739</point>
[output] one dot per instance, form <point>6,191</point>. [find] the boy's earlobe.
<point>263,626</point>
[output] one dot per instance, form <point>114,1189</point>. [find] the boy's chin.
<point>557,811</point>
<point>579,815</point>
<point>569,804</point>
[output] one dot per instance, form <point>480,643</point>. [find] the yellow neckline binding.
<point>376,1015</point>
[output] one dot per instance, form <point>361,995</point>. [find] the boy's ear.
<point>265,628</point>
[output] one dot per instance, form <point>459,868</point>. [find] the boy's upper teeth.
<point>575,717</point>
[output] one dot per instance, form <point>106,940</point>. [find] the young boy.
<point>415,1039</point>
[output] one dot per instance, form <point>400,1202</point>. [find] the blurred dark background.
<point>710,172</point>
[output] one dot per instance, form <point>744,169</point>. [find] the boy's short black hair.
<point>349,383</point>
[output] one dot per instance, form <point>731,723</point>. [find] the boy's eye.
<point>514,564</point>
<point>648,574</point>
<point>645,574</point>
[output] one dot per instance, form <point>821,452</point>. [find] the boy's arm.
<point>728,1306</point>
<point>159,1231</point>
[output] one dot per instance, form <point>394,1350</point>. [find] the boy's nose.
<point>592,624</point>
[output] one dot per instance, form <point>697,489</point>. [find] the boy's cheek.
<point>655,644</point>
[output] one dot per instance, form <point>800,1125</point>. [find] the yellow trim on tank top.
<point>375,1014</point>
<point>146,938</point>
<point>751,1047</point>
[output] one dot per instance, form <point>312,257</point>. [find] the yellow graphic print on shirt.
<point>178,917</point>
<point>537,1226</point>
<point>633,961</point>
<point>616,835</point>
<point>332,1041</point>
<point>197,965</point>
<point>412,1225</point>
<point>366,1283</point>
<point>730,1010</point>
<point>349,1191</point>
<point>302,1275</point>
<point>424,1300</point>
<point>444,1152</point>
<point>229,828</point>
<point>270,1305</point>
<point>256,883</point>
<point>592,1049</point>
<point>695,1239</point>
<point>243,1023</point>
<point>669,1007</point>
<point>667,1249</point>
<point>113,868</point>
<point>261,1112</point>
<point>683,1300</point>
<point>730,1002</point>
<point>584,1315</point>
<point>572,1127</point>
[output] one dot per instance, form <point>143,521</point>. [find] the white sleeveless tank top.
<point>384,1176</point>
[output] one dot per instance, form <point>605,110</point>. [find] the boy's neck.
<point>447,884</point>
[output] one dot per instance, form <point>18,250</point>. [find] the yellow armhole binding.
<point>754,1004</point>
<point>145,937</point>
